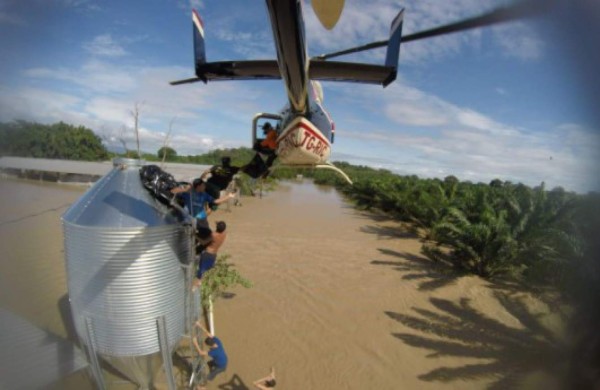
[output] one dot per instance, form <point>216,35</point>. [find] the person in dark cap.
<point>267,146</point>
<point>269,143</point>
<point>218,177</point>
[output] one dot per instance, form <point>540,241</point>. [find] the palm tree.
<point>510,229</point>
<point>484,247</point>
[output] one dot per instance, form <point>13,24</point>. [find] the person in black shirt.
<point>218,177</point>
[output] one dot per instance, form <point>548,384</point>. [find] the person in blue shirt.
<point>197,202</point>
<point>216,352</point>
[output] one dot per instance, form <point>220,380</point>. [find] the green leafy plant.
<point>219,278</point>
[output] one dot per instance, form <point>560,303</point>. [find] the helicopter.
<point>305,130</point>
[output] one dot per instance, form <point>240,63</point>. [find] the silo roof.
<point>119,200</point>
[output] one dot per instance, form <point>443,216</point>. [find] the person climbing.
<point>209,256</point>
<point>216,352</point>
<point>257,167</point>
<point>267,382</point>
<point>196,202</point>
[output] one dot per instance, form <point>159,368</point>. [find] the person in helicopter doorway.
<point>267,146</point>
<point>197,202</point>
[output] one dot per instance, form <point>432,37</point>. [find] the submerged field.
<point>342,299</point>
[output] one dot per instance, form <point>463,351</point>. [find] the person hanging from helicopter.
<point>257,167</point>
<point>219,177</point>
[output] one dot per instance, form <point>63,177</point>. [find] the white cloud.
<point>519,40</point>
<point>414,115</point>
<point>406,105</point>
<point>205,116</point>
<point>94,76</point>
<point>431,137</point>
<point>188,5</point>
<point>26,103</point>
<point>110,110</point>
<point>104,45</point>
<point>75,3</point>
<point>367,23</point>
<point>247,44</point>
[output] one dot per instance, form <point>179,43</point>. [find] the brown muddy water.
<point>342,299</point>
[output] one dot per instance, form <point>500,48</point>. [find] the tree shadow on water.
<point>509,353</point>
<point>389,232</point>
<point>432,275</point>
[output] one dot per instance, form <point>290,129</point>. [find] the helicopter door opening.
<point>260,120</point>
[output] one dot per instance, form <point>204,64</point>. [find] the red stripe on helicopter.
<point>317,134</point>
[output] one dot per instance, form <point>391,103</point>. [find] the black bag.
<point>256,167</point>
<point>158,182</point>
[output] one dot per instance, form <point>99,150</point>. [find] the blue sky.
<point>503,102</point>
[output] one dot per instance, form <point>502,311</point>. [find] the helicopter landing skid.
<point>332,167</point>
<point>326,165</point>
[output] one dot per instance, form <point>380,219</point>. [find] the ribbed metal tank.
<point>124,253</point>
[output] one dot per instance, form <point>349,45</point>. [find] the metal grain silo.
<point>127,259</point>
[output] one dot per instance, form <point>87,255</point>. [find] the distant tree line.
<point>65,141</point>
<point>239,156</point>
<point>59,141</point>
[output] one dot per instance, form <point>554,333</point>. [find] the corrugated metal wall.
<point>124,279</point>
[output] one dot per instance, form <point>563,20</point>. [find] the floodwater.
<point>341,299</point>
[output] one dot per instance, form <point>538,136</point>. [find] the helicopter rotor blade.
<point>368,46</point>
<point>517,10</point>
<point>328,11</point>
